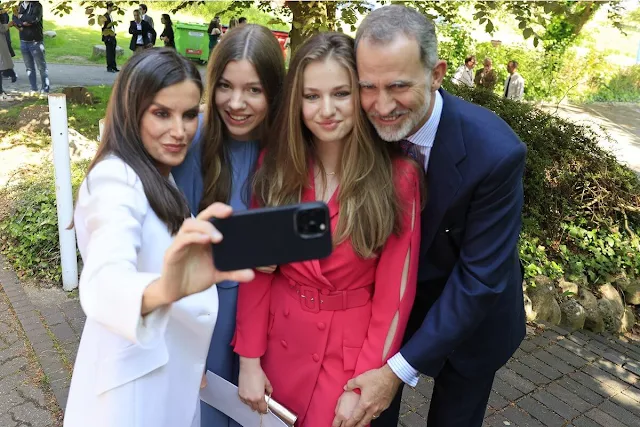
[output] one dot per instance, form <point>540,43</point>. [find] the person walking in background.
<point>464,73</point>
<point>109,38</point>
<point>215,31</point>
<point>486,76</point>
<point>233,22</point>
<point>4,19</point>
<point>149,20</point>
<point>244,83</point>
<point>140,31</point>
<point>167,34</point>
<point>6,63</point>
<point>468,318</point>
<point>242,21</point>
<point>514,86</point>
<point>29,22</point>
<point>308,327</point>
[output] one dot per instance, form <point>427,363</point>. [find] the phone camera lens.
<point>311,222</point>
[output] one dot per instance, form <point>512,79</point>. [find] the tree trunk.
<point>331,15</point>
<point>590,9</point>
<point>308,18</point>
<point>296,35</point>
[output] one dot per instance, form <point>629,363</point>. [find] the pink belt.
<point>313,299</point>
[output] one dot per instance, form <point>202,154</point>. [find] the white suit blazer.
<point>515,90</point>
<point>132,371</point>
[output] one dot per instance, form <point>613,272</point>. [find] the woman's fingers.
<point>262,405</point>
<point>267,269</point>
<point>185,239</point>
<point>200,226</point>
<point>216,210</point>
<point>240,276</point>
<point>267,386</point>
<point>203,382</point>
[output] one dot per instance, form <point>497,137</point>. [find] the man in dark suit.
<point>468,317</point>
<point>149,20</point>
<point>109,38</point>
<point>140,32</point>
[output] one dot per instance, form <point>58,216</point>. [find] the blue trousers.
<point>221,359</point>
<point>33,55</point>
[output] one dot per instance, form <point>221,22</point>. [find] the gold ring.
<point>374,417</point>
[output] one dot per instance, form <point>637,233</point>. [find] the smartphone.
<point>273,236</point>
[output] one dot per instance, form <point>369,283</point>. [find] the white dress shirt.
<point>139,40</point>
<point>514,87</point>
<point>423,139</point>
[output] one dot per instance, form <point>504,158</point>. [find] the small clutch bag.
<point>285,415</point>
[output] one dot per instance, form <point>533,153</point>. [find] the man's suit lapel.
<point>443,177</point>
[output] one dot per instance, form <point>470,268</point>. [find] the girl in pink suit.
<point>307,328</point>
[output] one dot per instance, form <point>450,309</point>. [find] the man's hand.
<point>377,387</point>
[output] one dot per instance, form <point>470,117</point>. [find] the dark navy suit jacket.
<point>469,308</point>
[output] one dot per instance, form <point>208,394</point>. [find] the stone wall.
<point>611,307</point>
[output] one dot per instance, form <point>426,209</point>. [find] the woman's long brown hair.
<point>369,209</point>
<point>142,77</point>
<point>259,46</point>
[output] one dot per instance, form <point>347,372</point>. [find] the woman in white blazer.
<point>147,282</point>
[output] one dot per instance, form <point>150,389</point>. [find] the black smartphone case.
<point>269,236</point>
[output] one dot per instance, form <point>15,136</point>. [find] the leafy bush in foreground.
<point>29,226</point>
<point>582,208</point>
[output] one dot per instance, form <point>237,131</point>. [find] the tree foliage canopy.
<point>551,23</point>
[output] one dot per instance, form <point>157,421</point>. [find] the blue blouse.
<point>188,175</point>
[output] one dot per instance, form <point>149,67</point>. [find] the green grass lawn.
<point>82,118</point>
<point>74,45</point>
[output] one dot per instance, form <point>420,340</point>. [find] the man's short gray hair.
<point>383,25</point>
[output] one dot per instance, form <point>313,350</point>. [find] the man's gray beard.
<point>401,131</point>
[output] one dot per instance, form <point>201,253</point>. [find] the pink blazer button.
<point>321,326</point>
<point>315,357</point>
<point>284,344</point>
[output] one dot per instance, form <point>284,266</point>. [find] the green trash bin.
<point>192,40</point>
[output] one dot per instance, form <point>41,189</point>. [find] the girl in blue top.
<point>244,80</point>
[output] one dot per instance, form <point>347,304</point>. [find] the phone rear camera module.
<point>311,223</point>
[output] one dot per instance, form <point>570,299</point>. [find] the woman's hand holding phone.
<point>188,263</point>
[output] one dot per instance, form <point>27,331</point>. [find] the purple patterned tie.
<point>411,150</point>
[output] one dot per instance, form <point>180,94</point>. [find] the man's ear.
<point>437,75</point>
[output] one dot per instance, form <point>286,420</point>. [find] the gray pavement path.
<point>25,391</point>
<point>621,121</point>
<point>555,378</point>
<point>63,75</point>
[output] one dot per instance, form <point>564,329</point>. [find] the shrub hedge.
<point>581,212</point>
<point>28,222</point>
